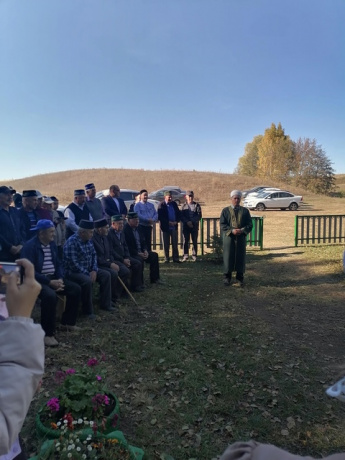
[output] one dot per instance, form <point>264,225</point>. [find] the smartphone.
<point>6,268</point>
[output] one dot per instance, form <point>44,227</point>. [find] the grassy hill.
<point>209,187</point>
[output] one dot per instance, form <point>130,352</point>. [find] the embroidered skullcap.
<point>90,186</point>
<point>86,224</point>
<point>167,192</point>
<point>236,193</point>
<point>101,223</point>
<point>116,218</point>
<point>79,191</point>
<point>28,193</point>
<point>132,215</point>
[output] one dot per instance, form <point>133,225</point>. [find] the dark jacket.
<point>10,232</point>
<point>33,251</point>
<point>131,242</point>
<point>27,234</point>
<point>118,247</point>
<point>110,207</point>
<point>163,215</point>
<point>102,247</point>
<point>185,216</point>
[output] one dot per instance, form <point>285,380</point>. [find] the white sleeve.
<point>21,368</point>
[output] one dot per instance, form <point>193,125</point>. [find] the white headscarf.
<point>236,193</point>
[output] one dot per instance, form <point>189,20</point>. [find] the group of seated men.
<point>90,242</point>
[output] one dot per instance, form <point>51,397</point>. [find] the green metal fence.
<point>328,229</point>
<point>209,228</point>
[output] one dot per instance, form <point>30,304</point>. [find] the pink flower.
<point>70,371</point>
<point>98,377</point>
<point>92,362</point>
<point>53,404</point>
<point>99,400</point>
<point>60,377</point>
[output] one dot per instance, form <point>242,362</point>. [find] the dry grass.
<point>203,366</point>
<point>209,187</point>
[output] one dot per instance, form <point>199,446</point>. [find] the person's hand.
<point>237,231</point>
<point>21,298</point>
<point>57,285</point>
<point>127,262</point>
<point>114,267</point>
<point>16,249</point>
<point>190,224</point>
<point>146,254</point>
<point>93,276</point>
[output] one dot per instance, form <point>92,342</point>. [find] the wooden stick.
<point>127,290</point>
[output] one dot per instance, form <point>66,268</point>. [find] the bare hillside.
<point>209,187</point>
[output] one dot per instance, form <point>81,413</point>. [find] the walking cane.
<point>127,290</point>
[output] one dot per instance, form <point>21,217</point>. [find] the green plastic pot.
<point>44,432</point>
<point>136,452</point>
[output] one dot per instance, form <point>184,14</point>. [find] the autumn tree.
<point>276,155</point>
<point>248,163</point>
<point>314,169</point>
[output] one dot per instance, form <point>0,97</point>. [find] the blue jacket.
<point>33,251</point>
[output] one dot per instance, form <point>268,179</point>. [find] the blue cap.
<point>43,224</point>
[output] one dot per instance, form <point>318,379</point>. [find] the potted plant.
<point>79,440</point>
<point>81,394</point>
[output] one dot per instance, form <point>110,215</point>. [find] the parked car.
<point>263,191</point>
<point>254,189</point>
<point>280,199</point>
<point>177,195</point>
<point>128,196</point>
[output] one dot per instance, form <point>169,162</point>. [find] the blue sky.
<point>165,84</point>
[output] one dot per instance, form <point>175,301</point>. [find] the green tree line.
<point>275,156</point>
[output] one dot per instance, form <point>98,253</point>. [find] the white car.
<point>128,196</point>
<point>279,199</point>
<point>262,191</point>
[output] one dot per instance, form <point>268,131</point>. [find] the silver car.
<point>279,199</point>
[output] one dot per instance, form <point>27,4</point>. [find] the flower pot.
<point>45,432</point>
<point>135,452</point>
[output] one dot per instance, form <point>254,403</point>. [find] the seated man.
<point>75,212</point>
<point>41,250</point>
<point>11,241</point>
<point>113,204</point>
<point>105,259</point>
<point>137,246</point>
<point>80,265</point>
<point>128,265</point>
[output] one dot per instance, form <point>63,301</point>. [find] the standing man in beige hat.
<point>235,223</point>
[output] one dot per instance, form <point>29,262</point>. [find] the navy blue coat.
<point>10,232</point>
<point>110,207</point>
<point>33,251</point>
<point>163,215</point>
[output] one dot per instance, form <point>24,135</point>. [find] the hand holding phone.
<point>21,298</point>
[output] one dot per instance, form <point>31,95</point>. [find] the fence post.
<point>202,235</point>
<point>296,231</point>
